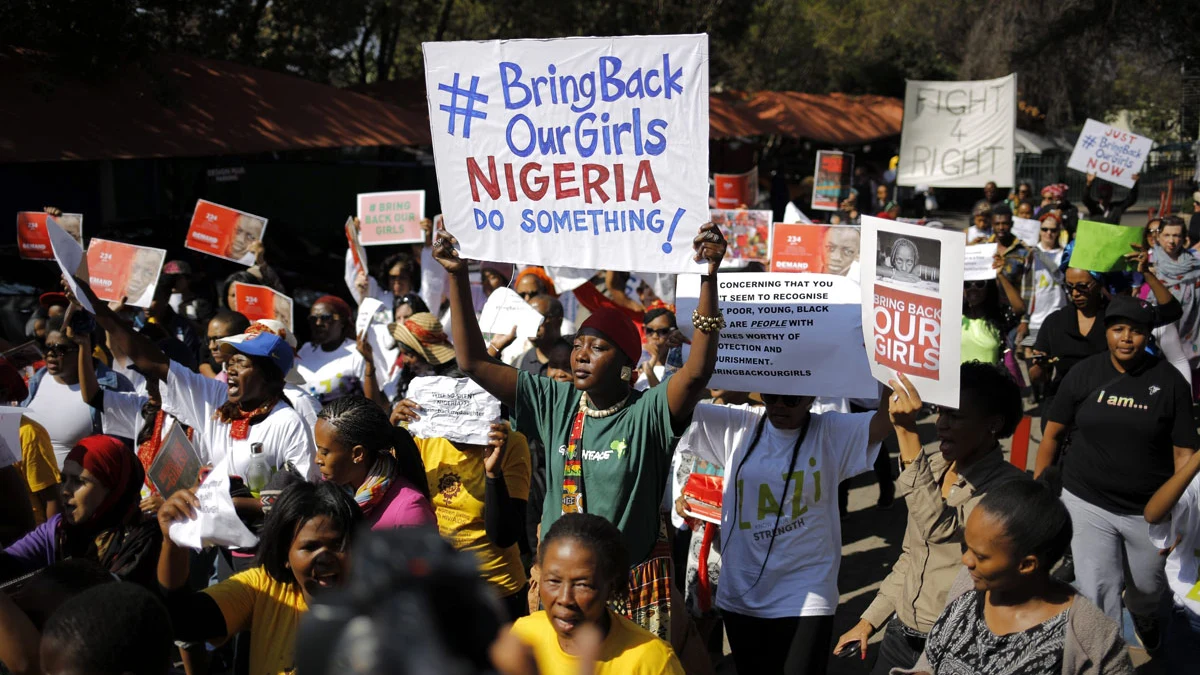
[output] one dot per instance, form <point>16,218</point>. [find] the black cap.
<point>1130,308</point>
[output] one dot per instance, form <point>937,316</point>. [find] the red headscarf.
<point>547,282</point>
<point>116,468</point>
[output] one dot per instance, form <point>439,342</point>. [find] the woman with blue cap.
<point>228,417</point>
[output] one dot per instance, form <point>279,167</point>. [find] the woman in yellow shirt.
<point>479,496</point>
<point>303,550</point>
<point>584,565</point>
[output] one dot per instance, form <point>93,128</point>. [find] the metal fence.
<point>1172,170</point>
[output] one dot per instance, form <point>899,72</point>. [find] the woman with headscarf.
<point>100,520</point>
<point>616,443</point>
<point>333,364</point>
<point>424,350</point>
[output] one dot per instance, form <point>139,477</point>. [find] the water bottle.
<point>258,472</point>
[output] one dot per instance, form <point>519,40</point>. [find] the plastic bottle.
<point>258,471</point>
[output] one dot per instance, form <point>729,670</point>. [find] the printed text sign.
<point>579,152</point>
<point>33,241</point>
<point>391,217</point>
<point>912,286</point>
<point>224,232</point>
<point>262,302</point>
<point>118,271</point>
<point>1110,153</point>
<point>823,249</point>
<point>958,134</point>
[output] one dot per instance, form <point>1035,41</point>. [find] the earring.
<point>626,373</point>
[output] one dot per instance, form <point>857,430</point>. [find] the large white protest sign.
<point>457,410</point>
<point>505,310</point>
<point>1110,153</point>
<point>587,152</point>
<point>216,523</point>
<point>912,286</point>
<point>786,333</point>
<point>977,263</point>
<point>958,134</point>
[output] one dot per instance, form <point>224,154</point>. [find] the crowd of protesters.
<point>580,549</point>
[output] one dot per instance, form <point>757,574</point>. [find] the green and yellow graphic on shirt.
<point>761,501</point>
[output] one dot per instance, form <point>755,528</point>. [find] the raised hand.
<point>444,251</point>
<point>710,246</point>
<point>905,403</point>
<point>493,452</point>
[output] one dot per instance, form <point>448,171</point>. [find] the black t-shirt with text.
<point>1126,428</point>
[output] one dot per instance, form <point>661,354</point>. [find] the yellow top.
<point>37,464</point>
<point>457,482</point>
<point>628,648</point>
<point>270,610</point>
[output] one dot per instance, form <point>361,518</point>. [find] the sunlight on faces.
<point>334,458</point>
<point>989,557</point>
<point>1126,340</point>
<point>82,494</point>
<point>595,361</point>
<point>318,557</point>
<point>967,430</point>
<point>571,588</point>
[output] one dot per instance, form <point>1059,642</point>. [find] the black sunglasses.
<point>60,350</point>
<point>528,295</point>
<point>659,332</point>
<point>772,399</point>
<point>1080,288</point>
<point>978,283</point>
<point>1049,229</point>
<point>326,318</point>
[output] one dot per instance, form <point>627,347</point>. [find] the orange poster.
<point>736,190</point>
<point>262,302</point>
<point>119,271</point>
<point>224,232</point>
<point>823,249</point>
<point>33,242</point>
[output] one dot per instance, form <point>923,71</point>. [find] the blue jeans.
<point>1181,641</point>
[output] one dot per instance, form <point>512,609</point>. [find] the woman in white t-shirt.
<point>1174,516</point>
<point>1043,284</point>
<point>227,418</point>
<point>780,524</point>
<point>331,364</point>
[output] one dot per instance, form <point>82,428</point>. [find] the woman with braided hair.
<point>360,450</point>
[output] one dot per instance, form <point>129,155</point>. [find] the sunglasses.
<point>659,332</point>
<point>1049,229</point>
<point>60,350</point>
<point>528,295</point>
<point>978,284</point>
<point>1153,232</point>
<point>323,318</point>
<point>772,399</point>
<point>1079,288</point>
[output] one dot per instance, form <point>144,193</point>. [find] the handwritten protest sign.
<point>1100,247</point>
<point>119,271</point>
<point>822,249</point>
<point>373,319</point>
<point>736,190</point>
<point>958,134</point>
<point>977,265</point>
<point>224,232</point>
<point>176,466</point>
<point>216,523</point>
<point>1027,230</point>
<point>505,310</point>
<point>831,185</point>
<point>357,252</point>
<point>1110,153</point>
<point>10,435</point>
<point>69,256</point>
<point>455,409</point>
<point>262,302</point>
<point>748,234</point>
<point>391,217</point>
<point>33,241</point>
<point>795,334</point>
<point>585,152</point>
<point>912,280</point>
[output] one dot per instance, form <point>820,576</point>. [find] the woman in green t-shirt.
<point>608,448</point>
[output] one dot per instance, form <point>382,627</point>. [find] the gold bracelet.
<point>707,324</point>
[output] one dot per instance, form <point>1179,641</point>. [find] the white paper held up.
<point>978,264</point>
<point>216,523</point>
<point>457,410</point>
<point>505,309</point>
<point>69,256</point>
